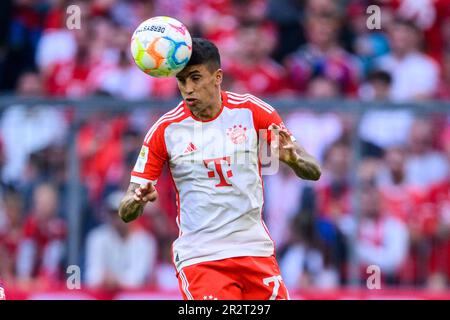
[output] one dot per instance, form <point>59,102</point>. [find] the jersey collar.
<point>224,101</point>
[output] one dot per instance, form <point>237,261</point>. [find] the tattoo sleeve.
<point>306,167</point>
<point>130,209</point>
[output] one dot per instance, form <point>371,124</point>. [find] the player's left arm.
<point>295,156</point>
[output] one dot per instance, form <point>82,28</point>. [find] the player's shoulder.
<point>249,101</point>
<point>174,115</point>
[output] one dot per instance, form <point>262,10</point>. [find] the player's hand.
<point>145,193</point>
<point>283,143</point>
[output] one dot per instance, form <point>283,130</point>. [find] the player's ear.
<point>218,76</point>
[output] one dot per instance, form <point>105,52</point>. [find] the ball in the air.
<point>161,46</point>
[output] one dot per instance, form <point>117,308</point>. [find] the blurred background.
<point>372,105</point>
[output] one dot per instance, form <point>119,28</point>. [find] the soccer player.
<point>210,141</point>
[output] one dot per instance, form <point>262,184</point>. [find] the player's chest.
<point>232,134</point>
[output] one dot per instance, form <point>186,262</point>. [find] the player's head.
<point>199,82</point>
<point>204,52</point>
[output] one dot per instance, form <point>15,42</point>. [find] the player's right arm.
<point>145,174</point>
<point>133,203</point>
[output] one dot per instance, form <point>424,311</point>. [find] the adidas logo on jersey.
<point>190,148</point>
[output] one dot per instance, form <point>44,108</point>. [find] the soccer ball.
<point>161,46</point>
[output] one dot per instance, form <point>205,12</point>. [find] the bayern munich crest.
<point>237,134</point>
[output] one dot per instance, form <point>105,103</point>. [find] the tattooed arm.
<point>136,197</point>
<point>295,156</point>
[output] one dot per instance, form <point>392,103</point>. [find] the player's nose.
<point>189,90</point>
<point>189,87</point>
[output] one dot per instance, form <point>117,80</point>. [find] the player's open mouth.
<point>191,101</point>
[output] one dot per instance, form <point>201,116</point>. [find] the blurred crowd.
<point>397,216</point>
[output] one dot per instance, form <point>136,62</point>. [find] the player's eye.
<point>196,78</point>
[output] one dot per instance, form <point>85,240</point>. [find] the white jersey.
<point>217,175</point>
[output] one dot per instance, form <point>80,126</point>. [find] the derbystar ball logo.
<point>237,134</point>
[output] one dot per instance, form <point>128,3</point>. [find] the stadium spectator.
<point>286,15</point>
<point>310,127</point>
<point>118,256</point>
<point>431,18</point>
<point>100,151</point>
<point>399,197</point>
<point>42,248</point>
<point>252,69</point>
<point>376,87</point>
<point>56,36</point>
<point>381,129</point>
<point>334,188</point>
<point>382,239</point>
<point>367,44</point>
<point>323,56</point>
<point>414,74</point>
<point>304,263</point>
<point>334,210</point>
<point>213,19</point>
<point>422,154</point>
<point>320,87</point>
<point>317,131</point>
<point>36,128</point>
<point>22,35</point>
<point>80,76</point>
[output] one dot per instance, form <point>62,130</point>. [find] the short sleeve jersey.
<point>216,171</point>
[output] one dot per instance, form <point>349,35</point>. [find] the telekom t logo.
<point>218,169</point>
